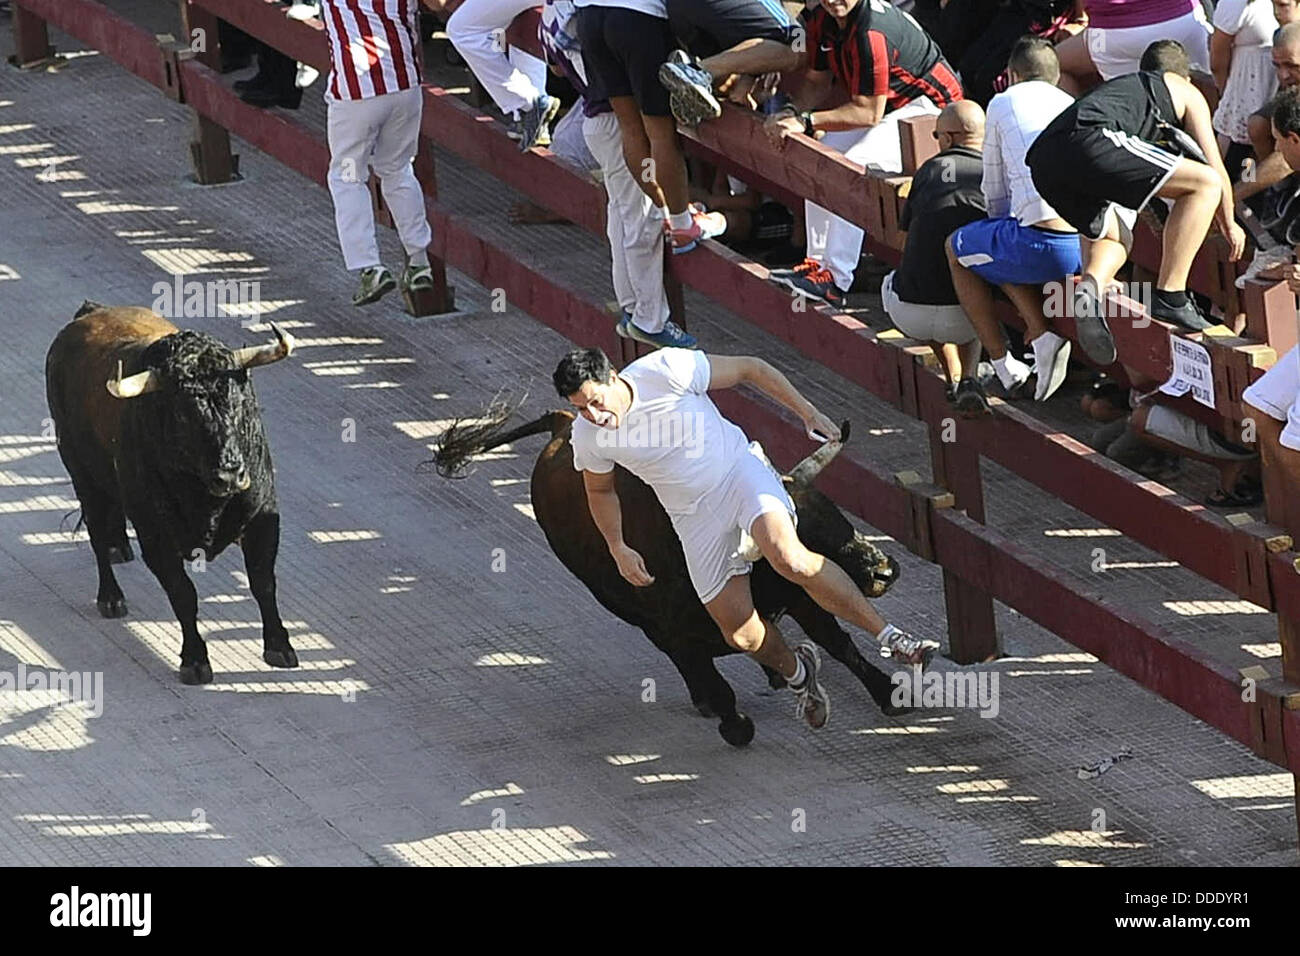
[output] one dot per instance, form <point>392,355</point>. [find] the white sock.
<point>800,673</point>
<point>1010,370</point>
<point>680,220</point>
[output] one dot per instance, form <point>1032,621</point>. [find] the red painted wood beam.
<point>99,28</point>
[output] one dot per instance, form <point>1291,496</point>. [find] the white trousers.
<point>1277,394</point>
<point>382,132</point>
<point>836,242</point>
<point>634,226</point>
<point>513,81</point>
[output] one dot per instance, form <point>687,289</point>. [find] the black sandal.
<point>1246,494</point>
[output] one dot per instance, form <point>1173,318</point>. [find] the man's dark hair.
<point>1034,58</point>
<point>1166,56</point>
<point>1286,110</point>
<point>581,365</point>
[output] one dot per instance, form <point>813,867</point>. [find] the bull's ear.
<point>133,385</point>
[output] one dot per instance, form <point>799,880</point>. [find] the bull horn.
<point>133,385</point>
<point>252,356</point>
<point>803,474</point>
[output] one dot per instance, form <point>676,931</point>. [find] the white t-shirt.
<point>673,437</point>
<point>1015,118</point>
<point>1251,22</point>
<point>655,8</point>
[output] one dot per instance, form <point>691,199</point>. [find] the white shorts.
<point>1276,394</point>
<point>1186,432</point>
<point>928,323</point>
<point>1119,52</point>
<point>711,536</point>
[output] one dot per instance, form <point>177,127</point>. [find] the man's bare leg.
<point>669,168</point>
<point>637,147</point>
<point>742,628</point>
<point>1195,190</point>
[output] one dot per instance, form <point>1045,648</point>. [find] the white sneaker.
<point>1051,362</point>
<point>1012,372</point>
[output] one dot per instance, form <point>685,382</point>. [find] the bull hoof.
<point>111,607</point>
<point>280,657</point>
<point>120,553</point>
<point>737,731</point>
<point>200,673</point>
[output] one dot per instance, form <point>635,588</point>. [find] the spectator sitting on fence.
<point>514,78</point>
<point>1177,433</point>
<point>1273,401</point>
<point>1243,71</point>
<point>1102,153</point>
<point>633,223</point>
<point>891,70</point>
<point>945,194</point>
<point>1025,244</point>
<point>1119,33</point>
<point>374,108</point>
<point>724,40</point>
<point>623,44</point>
<point>1270,167</point>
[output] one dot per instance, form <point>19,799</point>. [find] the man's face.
<point>1286,61</point>
<point>1288,146</point>
<point>1285,11</point>
<point>594,400</point>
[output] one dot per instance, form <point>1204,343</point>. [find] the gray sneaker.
<point>376,282</point>
<point>690,89</point>
<point>814,703</point>
<point>907,649</point>
<point>535,122</point>
<point>672,335</point>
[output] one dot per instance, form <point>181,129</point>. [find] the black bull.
<point>161,426</point>
<point>669,611</point>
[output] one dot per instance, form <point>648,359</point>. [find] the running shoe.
<point>417,278</point>
<point>1051,362</point>
<point>535,122</point>
<point>970,400</point>
<point>704,225</point>
<point>787,276</point>
<point>814,704</point>
<point>907,649</point>
<point>671,336</point>
<point>1090,323</point>
<point>376,282</point>
<point>818,284</point>
<point>1187,315</point>
<point>690,89</point>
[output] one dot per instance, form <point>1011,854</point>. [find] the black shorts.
<point>623,50</point>
<point>707,27</point>
<point>1083,172</point>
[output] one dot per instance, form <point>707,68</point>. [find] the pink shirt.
<point>1119,14</point>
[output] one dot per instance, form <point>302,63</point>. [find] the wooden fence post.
<point>31,38</point>
<point>210,146</point>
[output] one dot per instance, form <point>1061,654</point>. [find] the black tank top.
<point>1133,103</point>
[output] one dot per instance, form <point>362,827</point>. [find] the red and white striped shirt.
<point>374,47</point>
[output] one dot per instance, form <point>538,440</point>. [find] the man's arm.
<point>860,112</point>
<point>1270,170</point>
<point>1199,125</point>
<point>728,371</point>
<point>607,512</point>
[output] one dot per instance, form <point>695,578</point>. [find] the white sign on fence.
<point>1192,371</point>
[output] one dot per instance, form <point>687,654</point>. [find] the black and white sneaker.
<point>1090,324</point>
<point>970,400</point>
<point>535,122</point>
<point>690,89</point>
<point>814,704</point>
<point>1186,315</point>
<point>905,648</point>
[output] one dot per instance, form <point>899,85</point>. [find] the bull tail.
<point>466,438</point>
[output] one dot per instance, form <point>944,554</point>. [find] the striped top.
<point>374,47</point>
<point>881,51</point>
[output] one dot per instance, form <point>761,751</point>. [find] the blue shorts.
<point>1003,252</point>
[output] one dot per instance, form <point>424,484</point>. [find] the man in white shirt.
<point>374,107</point>
<point>1024,243</point>
<point>655,419</point>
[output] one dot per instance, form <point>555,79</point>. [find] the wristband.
<point>808,128</point>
